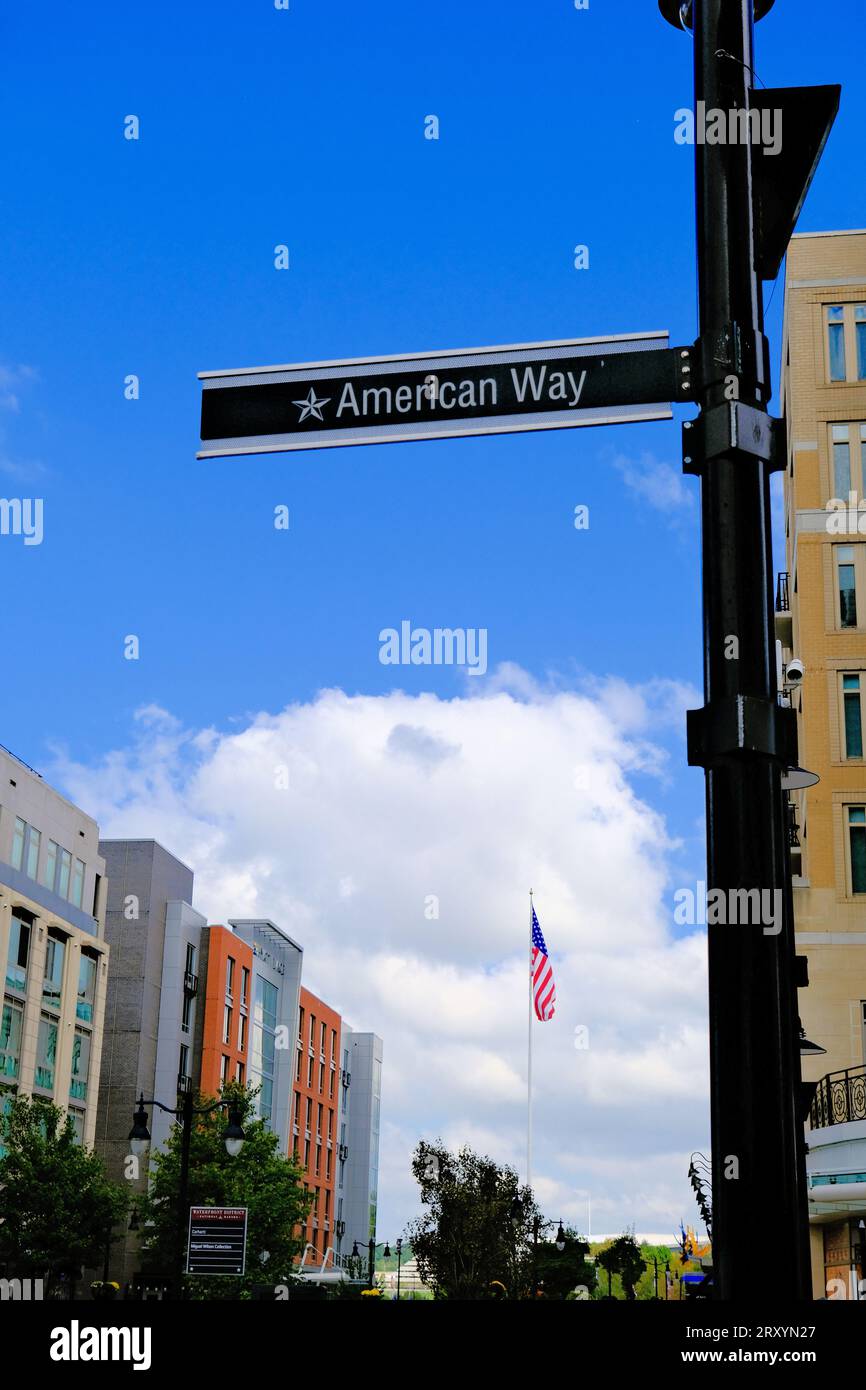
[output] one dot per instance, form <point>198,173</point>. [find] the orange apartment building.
<point>225,1037</point>
<point>315,1117</point>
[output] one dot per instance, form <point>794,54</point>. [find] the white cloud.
<point>392,799</point>
<point>658,485</point>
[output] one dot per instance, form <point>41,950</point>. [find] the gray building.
<point>275,999</point>
<point>151,1024</point>
<point>358,1166</point>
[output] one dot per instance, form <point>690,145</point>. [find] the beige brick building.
<point>52,947</point>
<point>821,621</point>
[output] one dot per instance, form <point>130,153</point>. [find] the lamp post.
<point>371,1258</point>
<point>387,1253</point>
<point>139,1139</point>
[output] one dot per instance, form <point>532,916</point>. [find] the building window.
<point>853,716</point>
<point>240,1073</point>
<point>49,868</point>
<point>63,875</point>
<point>18,842</point>
<point>230,975</point>
<point>80,1065</point>
<point>309,1115</point>
<point>298,1065</point>
<point>77,883</point>
<point>297,1120</point>
<point>186,1014</point>
<point>245,984</point>
<point>46,1054</point>
<point>86,987</point>
<point>848,561</point>
<point>19,950</point>
<point>227,1024</point>
<point>10,1039</point>
<point>190,958</point>
<point>306,1155</point>
<point>846,341</point>
<point>77,1118</point>
<point>312,1031</point>
<point>242,1033</point>
<point>52,985</point>
<point>265,1009</point>
<point>33,841</point>
<point>224,1069</point>
<point>848,454</point>
<point>310,1063</point>
<point>836,341</point>
<point>856,817</point>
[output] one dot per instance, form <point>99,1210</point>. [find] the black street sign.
<point>492,390</point>
<point>217,1240</point>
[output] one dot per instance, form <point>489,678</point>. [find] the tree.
<point>623,1257</point>
<point>57,1207</point>
<point>476,1233</point>
<point>260,1178</point>
<point>559,1273</point>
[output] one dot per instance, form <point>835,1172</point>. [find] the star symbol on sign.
<point>311,406</point>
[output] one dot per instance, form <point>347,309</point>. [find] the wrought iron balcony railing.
<point>839,1098</point>
<point>783,604</point>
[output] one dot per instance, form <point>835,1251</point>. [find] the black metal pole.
<point>371,1263</point>
<point>754,1059</point>
<point>183,1189</point>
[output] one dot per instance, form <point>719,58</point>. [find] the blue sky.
<point>155,257</point>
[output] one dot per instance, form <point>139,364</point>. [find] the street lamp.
<point>371,1258</point>
<point>560,1239</point>
<point>139,1140</point>
<point>387,1253</point>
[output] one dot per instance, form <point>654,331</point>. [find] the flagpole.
<point>529,1061</point>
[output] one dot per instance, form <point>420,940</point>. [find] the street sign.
<point>217,1241</point>
<point>442,395</point>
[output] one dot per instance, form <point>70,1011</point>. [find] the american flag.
<point>543,988</point>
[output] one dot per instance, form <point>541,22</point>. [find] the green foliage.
<point>260,1178</point>
<point>476,1232</point>
<point>57,1207</point>
<point>623,1257</point>
<point>559,1273</point>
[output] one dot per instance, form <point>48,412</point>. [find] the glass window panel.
<point>860,335</point>
<point>77,1118</point>
<point>850,682</point>
<point>46,1055</point>
<point>49,868</point>
<point>77,883</point>
<point>65,866</point>
<point>86,988</point>
<point>858,858</point>
<point>857,815</point>
<point>33,852</point>
<point>18,843</point>
<point>52,985</point>
<point>836,340</point>
<point>81,1064</point>
<point>842,469</point>
<point>847,596</point>
<point>853,727</point>
<point>16,961</point>
<point>10,1040</point>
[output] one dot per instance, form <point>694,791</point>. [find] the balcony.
<point>190,983</point>
<point>184,1084</point>
<point>346,1078</point>
<point>840,1098</point>
<point>784,622</point>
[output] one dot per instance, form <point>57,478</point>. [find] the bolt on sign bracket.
<point>744,724</point>
<point>733,428</point>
